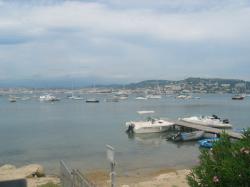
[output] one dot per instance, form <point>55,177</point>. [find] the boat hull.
<point>192,135</point>
<point>148,126</point>
<point>208,123</point>
<point>151,129</point>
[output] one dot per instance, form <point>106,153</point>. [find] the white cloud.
<point>97,18</point>
<point>123,39</point>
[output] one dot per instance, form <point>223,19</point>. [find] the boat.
<point>48,97</point>
<point>145,112</point>
<point>183,97</point>
<point>187,136</point>
<point>92,100</point>
<point>238,97</point>
<point>209,121</point>
<point>207,143</point>
<point>152,125</point>
<point>76,97</point>
<point>141,98</point>
<point>121,95</point>
<point>12,99</point>
<point>153,97</point>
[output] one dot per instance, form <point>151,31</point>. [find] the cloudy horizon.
<point>115,41</point>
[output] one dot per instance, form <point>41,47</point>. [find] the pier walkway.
<point>208,129</point>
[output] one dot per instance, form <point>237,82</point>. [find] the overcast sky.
<point>124,40</point>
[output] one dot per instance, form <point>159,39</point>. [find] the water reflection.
<point>150,138</point>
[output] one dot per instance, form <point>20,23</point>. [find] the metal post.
<point>112,174</point>
<point>110,157</point>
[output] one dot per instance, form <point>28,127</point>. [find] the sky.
<point>122,41</point>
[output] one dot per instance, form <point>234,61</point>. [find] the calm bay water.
<point>38,132</point>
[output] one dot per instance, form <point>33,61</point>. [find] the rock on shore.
<point>34,173</point>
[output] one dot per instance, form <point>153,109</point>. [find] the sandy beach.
<point>35,176</point>
<point>154,178</point>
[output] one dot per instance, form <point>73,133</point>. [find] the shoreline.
<point>141,177</point>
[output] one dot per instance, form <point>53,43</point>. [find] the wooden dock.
<point>208,129</point>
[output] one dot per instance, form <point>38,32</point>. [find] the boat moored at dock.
<point>151,126</point>
<point>209,121</point>
<point>188,136</point>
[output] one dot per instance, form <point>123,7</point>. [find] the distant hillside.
<point>149,83</point>
<point>191,80</point>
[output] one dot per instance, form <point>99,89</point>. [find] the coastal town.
<point>186,86</point>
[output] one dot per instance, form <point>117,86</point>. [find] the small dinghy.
<point>208,143</point>
<point>188,136</point>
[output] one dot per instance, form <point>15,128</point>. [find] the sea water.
<point>77,132</point>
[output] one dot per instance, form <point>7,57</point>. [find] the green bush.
<point>227,164</point>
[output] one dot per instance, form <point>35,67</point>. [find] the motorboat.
<point>92,100</point>
<point>48,97</point>
<point>183,97</point>
<point>141,98</point>
<point>121,95</point>
<point>208,143</point>
<point>12,99</point>
<point>76,97</point>
<point>153,97</point>
<point>145,112</point>
<point>188,136</point>
<point>210,121</point>
<point>152,125</point>
<point>238,97</point>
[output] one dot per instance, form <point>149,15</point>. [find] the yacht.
<point>141,98</point>
<point>12,99</point>
<point>152,125</point>
<point>48,97</point>
<point>210,121</point>
<point>76,97</point>
<point>238,97</point>
<point>92,100</point>
<point>154,96</point>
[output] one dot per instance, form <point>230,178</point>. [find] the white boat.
<point>12,99</point>
<point>48,97</point>
<point>141,98</point>
<point>145,112</point>
<point>153,96</point>
<point>92,100</point>
<point>76,97</point>
<point>238,97</point>
<point>121,95</point>
<point>151,126</point>
<point>183,97</point>
<point>210,121</point>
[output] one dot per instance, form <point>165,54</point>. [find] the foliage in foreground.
<point>50,184</point>
<point>227,164</point>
